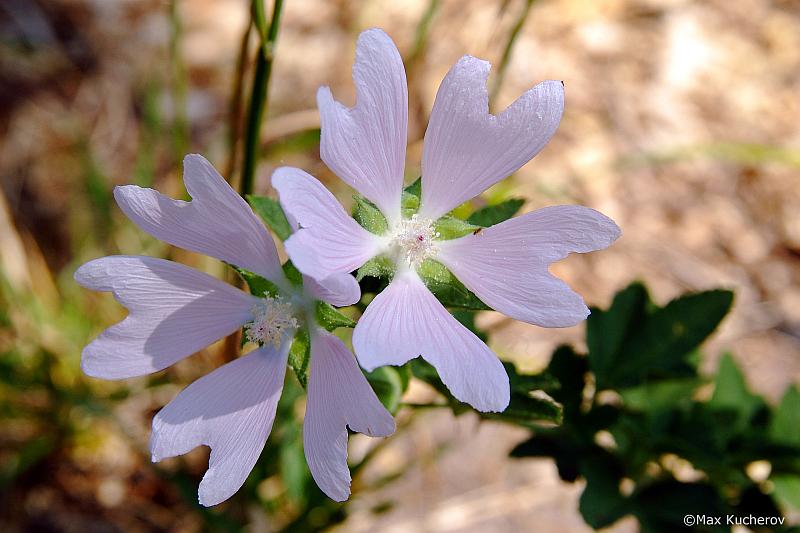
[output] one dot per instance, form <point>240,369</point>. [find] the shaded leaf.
<point>494,214</point>
<point>388,386</point>
<point>785,424</point>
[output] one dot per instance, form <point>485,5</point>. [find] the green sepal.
<point>449,227</point>
<point>272,214</point>
<point>446,287</point>
<point>257,285</point>
<point>300,355</point>
<point>377,267</point>
<point>494,214</point>
<point>369,216</point>
<point>292,274</point>
<point>331,318</point>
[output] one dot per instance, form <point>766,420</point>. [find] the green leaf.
<point>530,408</point>
<point>731,392</point>
<point>494,214</point>
<point>660,394</point>
<point>258,286</point>
<point>300,356</point>
<point>607,330</point>
<point>369,216</point>
<point>331,318</point>
<point>449,227</point>
<point>271,213</point>
<point>446,287</point>
<point>601,502</point>
<point>785,424</point>
<point>467,319</point>
<point>378,267</point>
<point>388,386</point>
<point>630,343</point>
<point>787,489</point>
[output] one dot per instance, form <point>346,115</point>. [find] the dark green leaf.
<point>494,214</point>
<point>467,318</point>
<point>629,344</point>
<point>369,216</point>
<point>271,213</point>
<point>300,356</point>
<point>331,318</point>
<point>601,502</point>
<point>660,394</point>
<point>607,330</point>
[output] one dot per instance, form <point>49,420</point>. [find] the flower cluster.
<point>175,311</point>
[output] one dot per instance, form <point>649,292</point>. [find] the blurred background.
<point>681,124</point>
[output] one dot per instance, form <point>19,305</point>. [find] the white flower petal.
<point>406,320</point>
<point>327,240</point>
<point>467,150</point>
<point>339,289</point>
<point>366,145</point>
<point>506,265</point>
<point>174,312</point>
<point>217,222</point>
<point>231,410</point>
<point>338,396</point>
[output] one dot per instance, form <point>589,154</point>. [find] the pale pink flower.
<point>174,311</point>
<point>466,150</point>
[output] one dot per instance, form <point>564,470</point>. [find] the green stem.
<point>180,88</point>
<point>259,94</point>
<point>512,38</point>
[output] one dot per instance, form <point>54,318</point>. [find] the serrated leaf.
<point>257,285</point>
<point>446,287</point>
<point>449,227</point>
<point>300,356</point>
<point>785,424</point>
<point>331,318</point>
<point>272,214</point>
<point>369,216</point>
<point>388,386</point>
<point>494,214</point>
<point>377,267</point>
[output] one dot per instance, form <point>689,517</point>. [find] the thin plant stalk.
<point>509,48</point>
<point>259,94</point>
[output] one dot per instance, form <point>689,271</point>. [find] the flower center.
<point>414,240</point>
<point>272,321</point>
